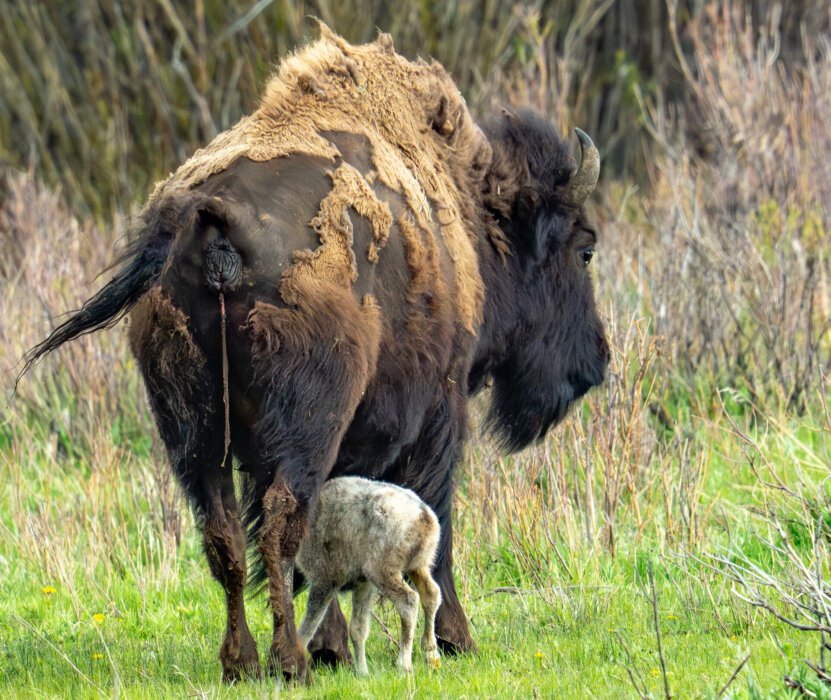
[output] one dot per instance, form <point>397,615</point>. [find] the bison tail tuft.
<point>140,267</point>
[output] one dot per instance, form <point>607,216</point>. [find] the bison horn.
<point>580,185</point>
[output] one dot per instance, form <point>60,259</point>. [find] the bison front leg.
<point>429,471</point>
<point>452,630</point>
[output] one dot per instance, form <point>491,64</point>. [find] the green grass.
<point>164,643</point>
<point>133,614</point>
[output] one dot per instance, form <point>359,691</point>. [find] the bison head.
<point>542,343</point>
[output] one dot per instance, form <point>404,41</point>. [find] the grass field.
<point>98,598</point>
<point>687,499</point>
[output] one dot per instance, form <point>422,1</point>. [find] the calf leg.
<point>329,646</point>
<point>359,624</point>
<point>430,595</point>
<point>405,600</point>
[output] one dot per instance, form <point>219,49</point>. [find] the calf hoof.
<point>240,661</point>
<point>433,660</point>
<point>405,667</point>
<point>361,671</point>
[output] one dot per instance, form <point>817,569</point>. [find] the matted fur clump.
<point>424,144</point>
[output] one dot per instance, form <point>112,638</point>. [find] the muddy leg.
<point>225,546</point>
<point>186,399</point>
<point>278,540</point>
<point>312,361</point>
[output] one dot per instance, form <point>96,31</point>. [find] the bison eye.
<point>586,255</point>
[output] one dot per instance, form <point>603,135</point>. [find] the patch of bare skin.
<point>334,260</point>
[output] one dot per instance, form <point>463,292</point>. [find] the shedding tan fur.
<point>423,143</point>
<point>334,260</point>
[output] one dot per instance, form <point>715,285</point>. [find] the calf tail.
<point>140,266</point>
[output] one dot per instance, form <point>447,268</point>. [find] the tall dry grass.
<point>79,418</point>
<point>715,283</point>
<point>103,97</point>
<point>740,218</point>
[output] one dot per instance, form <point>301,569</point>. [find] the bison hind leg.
<point>312,363</point>
<point>186,401</point>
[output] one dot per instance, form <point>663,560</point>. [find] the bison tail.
<point>140,266</point>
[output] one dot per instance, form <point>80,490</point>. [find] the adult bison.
<point>320,290</point>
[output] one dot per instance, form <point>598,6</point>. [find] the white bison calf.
<point>364,535</point>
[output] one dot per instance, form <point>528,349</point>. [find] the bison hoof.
<point>331,657</point>
<point>330,645</point>
<point>460,646</point>
<point>291,666</point>
<point>454,639</point>
<point>240,661</point>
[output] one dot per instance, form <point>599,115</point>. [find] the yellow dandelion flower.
<point>672,617</point>
<point>97,656</point>
<point>98,618</point>
<point>655,672</point>
<point>49,590</point>
<point>733,638</point>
